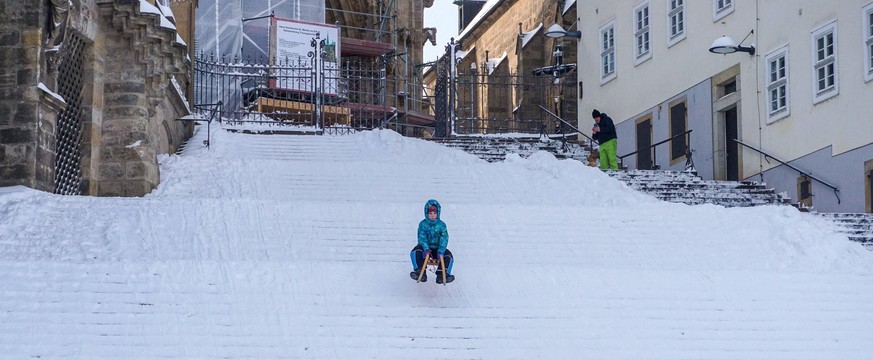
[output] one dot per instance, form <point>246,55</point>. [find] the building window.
<point>721,8</point>
<point>642,49</point>
<point>804,191</point>
<point>869,191</point>
<point>607,52</point>
<point>730,87</point>
<point>868,171</point>
<point>678,125</point>
<point>777,84</point>
<point>824,48</point>
<point>676,19</point>
<point>868,38</point>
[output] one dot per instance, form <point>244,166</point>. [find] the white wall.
<point>842,123</point>
<point>670,70</point>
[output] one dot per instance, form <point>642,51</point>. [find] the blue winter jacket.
<point>432,234</point>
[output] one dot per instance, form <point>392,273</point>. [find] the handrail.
<point>213,110</point>
<point>801,172</point>
<point>654,157</point>
<point>565,122</point>
<point>388,120</point>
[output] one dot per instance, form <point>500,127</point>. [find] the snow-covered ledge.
<point>50,98</point>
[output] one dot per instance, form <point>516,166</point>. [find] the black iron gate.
<point>491,102</point>
<point>68,133</point>
<point>492,98</point>
<point>300,92</point>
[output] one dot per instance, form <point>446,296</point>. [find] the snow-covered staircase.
<point>673,186</point>
<point>857,226</point>
<point>296,247</point>
<point>493,149</point>
<point>689,188</point>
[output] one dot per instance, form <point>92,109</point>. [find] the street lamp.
<point>556,31</point>
<point>726,45</point>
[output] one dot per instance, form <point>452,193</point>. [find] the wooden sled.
<point>429,261</point>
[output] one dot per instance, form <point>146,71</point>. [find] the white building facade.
<point>800,107</point>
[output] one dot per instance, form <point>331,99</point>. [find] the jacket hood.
<point>434,203</point>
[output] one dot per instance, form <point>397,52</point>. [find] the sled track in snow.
<point>296,247</point>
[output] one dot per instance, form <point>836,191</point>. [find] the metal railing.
<point>503,102</point>
<point>565,123</point>
<point>654,149</point>
<point>801,172</point>
<point>208,113</point>
<point>298,92</point>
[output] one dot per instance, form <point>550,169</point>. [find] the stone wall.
<point>27,114</point>
<point>137,81</point>
<point>129,99</point>
<point>499,33</point>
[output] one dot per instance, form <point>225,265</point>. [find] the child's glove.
<point>425,254</point>
<point>440,254</point>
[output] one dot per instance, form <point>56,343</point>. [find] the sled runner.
<point>429,261</point>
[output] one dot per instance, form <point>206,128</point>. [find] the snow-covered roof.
<point>53,94</point>
<point>527,36</point>
<point>461,54</point>
<point>147,8</point>
<point>486,9</point>
<point>494,63</point>
<point>167,12</point>
<point>181,93</point>
<point>568,5</point>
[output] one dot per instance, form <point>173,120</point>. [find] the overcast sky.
<point>443,15</point>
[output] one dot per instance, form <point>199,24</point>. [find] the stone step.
<point>494,149</point>
<point>668,185</point>
<point>857,226</point>
<point>696,185</point>
<point>689,188</point>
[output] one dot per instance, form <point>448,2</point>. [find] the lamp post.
<point>474,76</point>
<point>557,31</point>
<point>725,45</point>
<point>245,20</point>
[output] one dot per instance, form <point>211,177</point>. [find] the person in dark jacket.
<point>604,132</point>
<point>433,237</point>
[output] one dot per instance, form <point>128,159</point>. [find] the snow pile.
<point>274,246</point>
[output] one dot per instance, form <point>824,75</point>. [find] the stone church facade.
<point>505,69</point>
<point>90,91</point>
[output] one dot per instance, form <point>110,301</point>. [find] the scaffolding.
<point>377,53</point>
<point>379,39</point>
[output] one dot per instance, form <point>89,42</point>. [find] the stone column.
<point>27,117</point>
<point>128,164</point>
<point>139,58</point>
